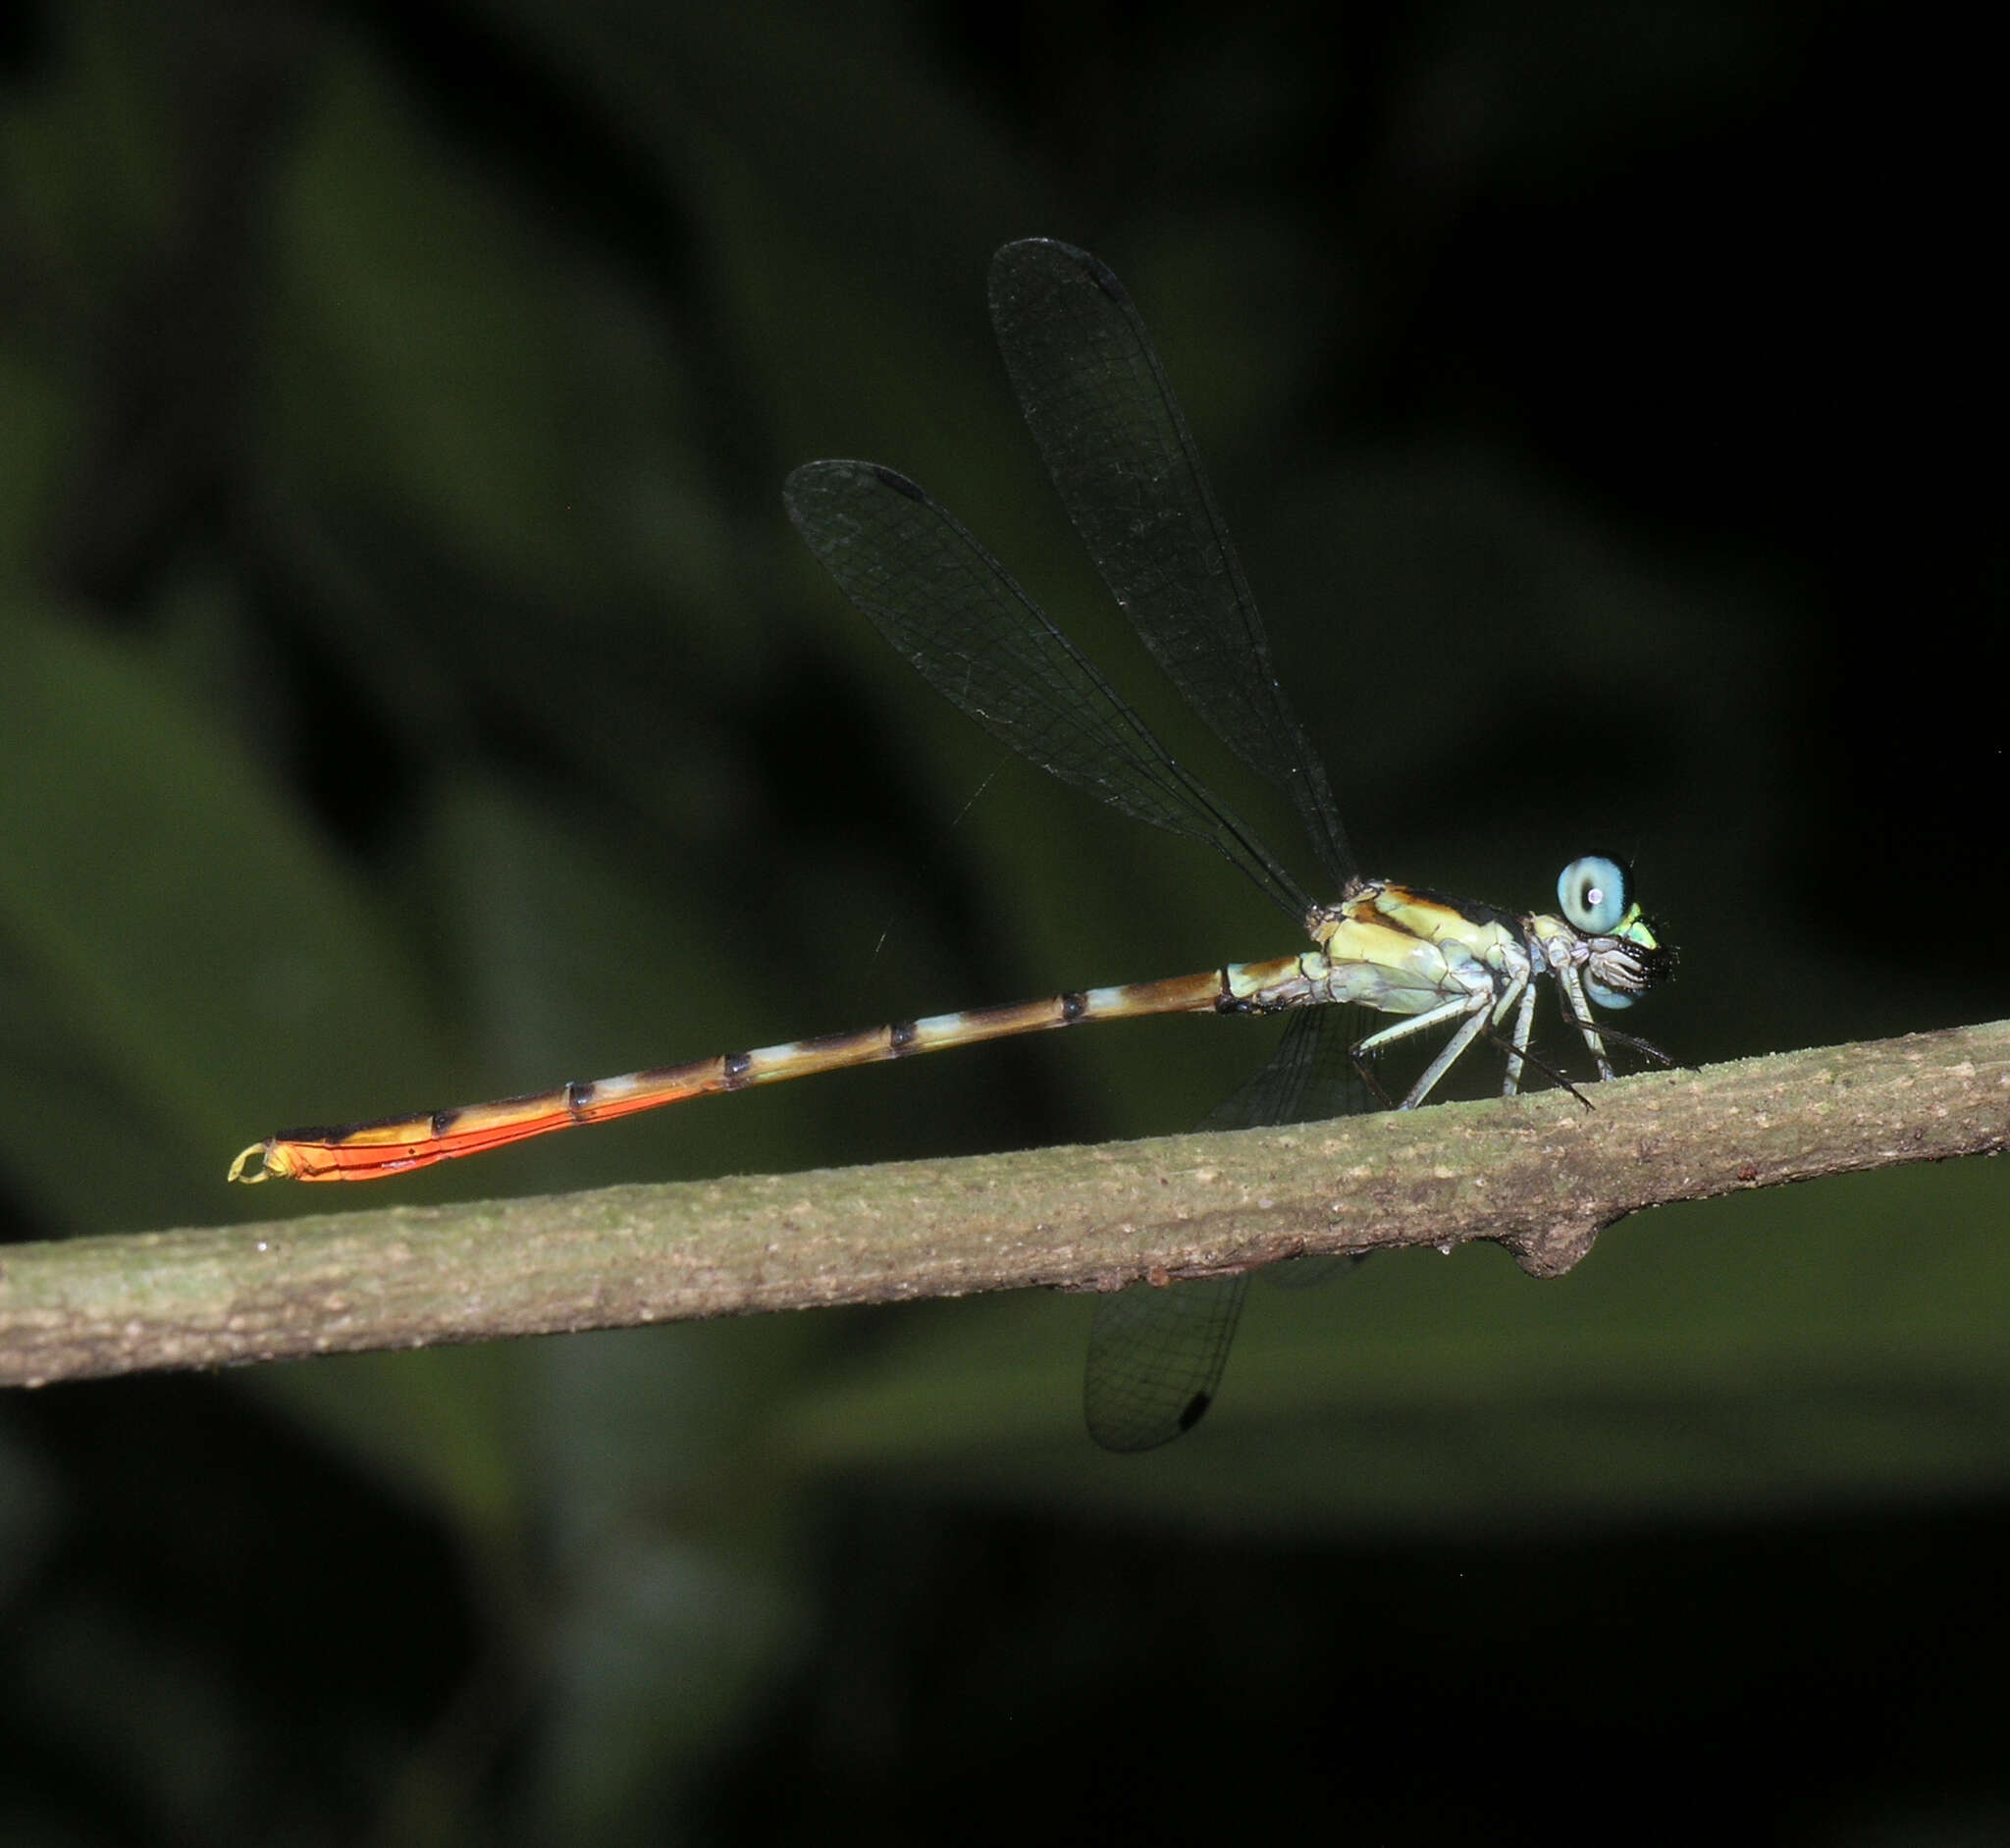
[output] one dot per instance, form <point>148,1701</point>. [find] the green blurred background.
<point>411,692</point>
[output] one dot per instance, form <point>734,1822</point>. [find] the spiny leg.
<point>1613,1037</point>
<point>1474,1009</point>
<point>1364,1070</point>
<point>1524,1017</point>
<point>1480,1022</point>
<point>1402,1030</point>
<point>1646,1048</point>
<point>1449,1055</point>
<point>1571,986</point>
<point>1597,1034</point>
<point>1542,1064</point>
<point>1413,1023</point>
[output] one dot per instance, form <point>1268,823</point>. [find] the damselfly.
<point>1117,448</point>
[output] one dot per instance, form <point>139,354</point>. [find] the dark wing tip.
<point>811,485</point>
<point>1103,276</point>
<point>1129,1430</point>
<point>899,482</point>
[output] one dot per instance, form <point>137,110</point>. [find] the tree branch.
<point>1540,1175</point>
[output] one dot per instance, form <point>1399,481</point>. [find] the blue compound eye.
<point>1593,894</point>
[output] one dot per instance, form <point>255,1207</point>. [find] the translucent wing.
<point>1117,448</point>
<point>955,614</point>
<point>1156,1357</point>
<point>1309,1077</point>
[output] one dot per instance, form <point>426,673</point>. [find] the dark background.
<point>411,692</point>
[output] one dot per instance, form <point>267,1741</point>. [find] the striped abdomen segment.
<point>366,1151</point>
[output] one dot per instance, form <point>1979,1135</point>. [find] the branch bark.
<point>1541,1175</point>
